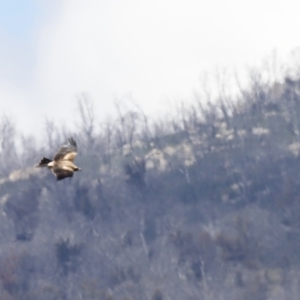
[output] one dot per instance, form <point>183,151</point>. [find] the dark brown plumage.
<point>62,165</point>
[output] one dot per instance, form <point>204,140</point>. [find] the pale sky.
<point>148,50</point>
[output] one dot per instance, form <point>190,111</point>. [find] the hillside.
<point>203,206</point>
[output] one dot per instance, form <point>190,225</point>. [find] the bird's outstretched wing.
<point>67,152</point>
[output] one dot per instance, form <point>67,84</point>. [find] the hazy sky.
<point>149,50</point>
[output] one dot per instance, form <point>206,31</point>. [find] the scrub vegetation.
<point>200,205</point>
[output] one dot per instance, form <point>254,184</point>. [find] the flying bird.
<point>62,165</point>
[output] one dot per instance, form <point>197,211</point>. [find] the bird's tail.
<point>44,162</point>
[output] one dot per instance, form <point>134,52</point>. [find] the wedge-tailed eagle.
<point>62,165</point>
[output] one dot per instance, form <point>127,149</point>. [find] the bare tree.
<point>8,152</point>
<point>127,128</point>
<point>52,133</point>
<point>85,109</point>
<point>28,152</point>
